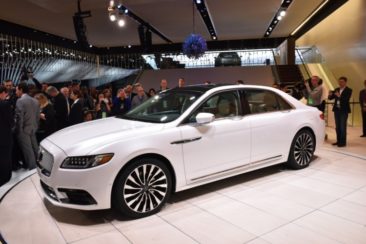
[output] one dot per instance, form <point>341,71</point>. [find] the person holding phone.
<point>341,109</point>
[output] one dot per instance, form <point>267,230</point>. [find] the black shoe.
<point>335,144</point>
<point>363,135</point>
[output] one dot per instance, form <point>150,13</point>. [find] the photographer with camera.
<point>341,109</point>
<point>314,94</point>
<point>102,107</point>
<point>121,103</point>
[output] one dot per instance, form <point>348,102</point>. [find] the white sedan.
<point>179,139</point>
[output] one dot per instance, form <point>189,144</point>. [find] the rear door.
<point>270,118</point>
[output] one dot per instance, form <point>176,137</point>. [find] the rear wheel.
<point>302,150</point>
<point>142,188</point>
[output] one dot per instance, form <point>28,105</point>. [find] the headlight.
<point>84,162</point>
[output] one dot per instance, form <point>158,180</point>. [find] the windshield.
<point>164,107</point>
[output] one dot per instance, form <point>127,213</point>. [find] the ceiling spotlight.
<point>112,17</point>
<point>214,37</point>
<point>270,28</point>
<point>275,21</point>
<point>279,17</point>
<point>283,13</point>
<point>126,11</point>
<point>198,1</point>
<point>90,45</point>
<point>129,46</point>
<point>121,22</point>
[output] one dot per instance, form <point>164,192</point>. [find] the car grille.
<point>45,162</point>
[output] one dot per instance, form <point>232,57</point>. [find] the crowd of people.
<point>31,112</point>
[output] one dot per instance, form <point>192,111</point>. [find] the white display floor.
<point>324,203</point>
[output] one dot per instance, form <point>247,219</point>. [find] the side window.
<point>222,105</point>
<point>283,104</point>
<point>262,101</point>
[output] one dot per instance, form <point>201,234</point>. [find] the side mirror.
<point>205,118</point>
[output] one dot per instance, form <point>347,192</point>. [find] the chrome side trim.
<point>186,140</point>
<point>230,171</point>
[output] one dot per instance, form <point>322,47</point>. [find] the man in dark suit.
<point>6,141</point>
<point>60,105</point>
<point>341,109</point>
<point>362,100</point>
<point>11,98</point>
<point>76,111</point>
<point>27,118</point>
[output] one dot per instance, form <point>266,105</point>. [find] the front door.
<point>220,146</point>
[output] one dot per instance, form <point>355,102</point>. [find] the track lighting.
<point>121,22</point>
<point>280,14</point>
<point>112,17</point>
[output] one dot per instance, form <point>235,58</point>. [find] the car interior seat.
<point>226,108</point>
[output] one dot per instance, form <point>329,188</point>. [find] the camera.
<point>297,90</point>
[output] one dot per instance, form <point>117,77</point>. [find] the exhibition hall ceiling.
<point>233,19</point>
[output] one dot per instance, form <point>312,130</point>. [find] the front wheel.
<point>302,150</point>
<point>142,188</point>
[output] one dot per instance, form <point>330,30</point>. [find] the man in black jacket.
<point>76,111</point>
<point>6,137</point>
<point>60,105</point>
<point>341,109</point>
<point>362,100</point>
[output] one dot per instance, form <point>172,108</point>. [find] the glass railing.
<point>353,118</point>
<point>308,55</point>
<point>15,48</point>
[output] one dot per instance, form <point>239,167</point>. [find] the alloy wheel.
<point>303,149</point>
<point>145,188</point>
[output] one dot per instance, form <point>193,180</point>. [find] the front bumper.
<point>86,189</point>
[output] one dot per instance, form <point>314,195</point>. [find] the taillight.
<point>321,116</point>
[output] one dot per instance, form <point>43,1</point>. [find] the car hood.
<point>85,137</point>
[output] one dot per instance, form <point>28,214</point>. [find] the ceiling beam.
<point>9,28</point>
<point>280,13</point>
<point>124,10</point>
<point>16,30</point>
<point>206,17</point>
<point>326,8</point>
<point>211,45</point>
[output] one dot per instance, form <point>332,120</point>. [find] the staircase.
<point>289,75</point>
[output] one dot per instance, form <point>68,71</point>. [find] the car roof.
<point>202,88</point>
<point>212,88</point>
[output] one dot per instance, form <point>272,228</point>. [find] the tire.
<point>302,150</point>
<point>142,188</point>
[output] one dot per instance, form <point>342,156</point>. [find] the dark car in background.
<point>228,59</point>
